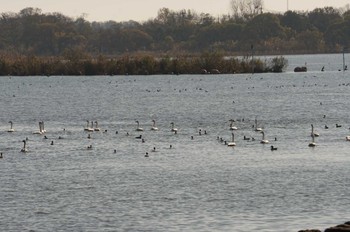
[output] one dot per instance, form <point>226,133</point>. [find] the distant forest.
<point>31,33</point>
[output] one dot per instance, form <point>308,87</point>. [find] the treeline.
<point>31,32</point>
<point>207,63</point>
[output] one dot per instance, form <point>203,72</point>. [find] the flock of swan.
<point>92,126</point>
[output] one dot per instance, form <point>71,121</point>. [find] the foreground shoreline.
<point>338,228</point>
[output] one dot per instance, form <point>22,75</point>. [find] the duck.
<point>347,138</point>
<point>1,155</point>
<point>246,138</point>
<point>273,148</point>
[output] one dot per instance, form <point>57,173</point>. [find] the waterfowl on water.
<point>256,125</point>
<point>11,129</point>
<point>314,133</point>
<point>138,128</point>
<point>232,143</point>
<point>154,128</point>
<point>312,143</point>
<point>87,128</point>
<point>96,127</point>
<point>263,140</point>
<point>232,127</point>
<point>24,149</point>
<point>173,129</point>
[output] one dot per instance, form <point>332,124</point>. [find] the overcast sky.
<point>141,10</point>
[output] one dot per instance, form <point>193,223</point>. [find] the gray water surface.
<point>197,185</point>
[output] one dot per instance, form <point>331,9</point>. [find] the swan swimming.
<point>263,140</point>
<point>232,143</point>
<point>138,126</point>
<point>24,149</point>
<point>256,125</point>
<point>96,127</point>
<point>11,129</point>
<point>173,129</point>
<point>87,128</point>
<point>40,132</point>
<point>154,128</point>
<point>312,143</point>
<point>231,125</point>
<point>314,133</point>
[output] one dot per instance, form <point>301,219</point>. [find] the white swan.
<point>40,132</point>
<point>42,127</point>
<point>87,128</point>
<point>263,140</point>
<point>314,133</point>
<point>232,143</point>
<point>154,128</point>
<point>96,127</point>
<point>24,149</point>
<point>231,125</point>
<point>312,143</point>
<point>256,125</point>
<point>11,129</point>
<point>173,129</point>
<point>138,126</point>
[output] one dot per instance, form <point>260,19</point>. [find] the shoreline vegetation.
<point>206,63</point>
<point>174,42</point>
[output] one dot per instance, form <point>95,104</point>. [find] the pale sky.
<point>142,10</point>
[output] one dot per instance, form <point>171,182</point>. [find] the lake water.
<point>199,184</point>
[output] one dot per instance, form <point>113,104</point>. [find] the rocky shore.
<point>339,228</point>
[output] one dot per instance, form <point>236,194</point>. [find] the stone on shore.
<point>312,230</point>
<point>340,228</point>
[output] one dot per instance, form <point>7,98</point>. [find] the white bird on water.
<point>154,128</point>
<point>314,133</point>
<point>11,129</point>
<point>96,127</point>
<point>256,125</point>
<point>312,143</point>
<point>263,140</point>
<point>87,128</point>
<point>232,127</point>
<point>138,126</point>
<point>173,129</point>
<point>24,149</point>
<point>232,143</point>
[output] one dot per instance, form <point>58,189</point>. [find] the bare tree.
<point>246,9</point>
